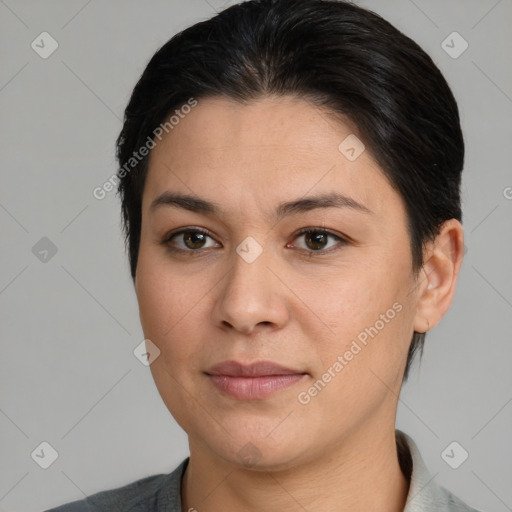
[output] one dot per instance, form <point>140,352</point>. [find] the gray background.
<point>69,324</point>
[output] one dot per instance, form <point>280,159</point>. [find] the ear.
<point>438,277</point>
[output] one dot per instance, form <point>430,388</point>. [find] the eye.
<point>317,240</point>
<point>191,240</point>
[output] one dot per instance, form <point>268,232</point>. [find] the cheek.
<point>363,360</point>
<point>162,295</point>
<point>166,316</point>
<point>170,304</point>
<point>365,319</point>
<point>353,299</point>
<point>158,311</point>
<point>153,300</point>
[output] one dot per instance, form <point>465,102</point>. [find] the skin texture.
<point>294,305</point>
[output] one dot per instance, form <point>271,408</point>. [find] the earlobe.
<point>443,259</point>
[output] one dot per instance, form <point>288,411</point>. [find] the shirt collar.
<point>425,494</point>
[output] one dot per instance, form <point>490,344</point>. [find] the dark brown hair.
<point>340,56</point>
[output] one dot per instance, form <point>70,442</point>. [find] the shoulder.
<point>147,494</point>
<point>141,493</point>
<point>455,504</point>
<point>425,494</point>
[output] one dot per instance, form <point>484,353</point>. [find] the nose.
<point>251,297</point>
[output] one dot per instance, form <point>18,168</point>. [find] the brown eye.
<point>188,240</point>
<point>194,239</point>
<point>318,240</point>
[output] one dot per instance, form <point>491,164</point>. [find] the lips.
<point>256,369</point>
<point>255,381</point>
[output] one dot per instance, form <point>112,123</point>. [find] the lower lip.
<point>254,388</point>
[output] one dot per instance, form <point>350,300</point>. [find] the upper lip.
<point>256,369</point>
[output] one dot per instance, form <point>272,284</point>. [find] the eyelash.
<point>342,241</point>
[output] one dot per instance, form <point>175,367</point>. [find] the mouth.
<point>255,381</point>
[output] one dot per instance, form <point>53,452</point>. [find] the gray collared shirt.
<point>425,494</point>
<point>162,493</point>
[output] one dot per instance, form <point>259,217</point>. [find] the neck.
<point>362,473</point>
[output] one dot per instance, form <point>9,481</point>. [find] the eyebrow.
<point>305,204</point>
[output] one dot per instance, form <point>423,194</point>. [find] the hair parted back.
<point>335,54</point>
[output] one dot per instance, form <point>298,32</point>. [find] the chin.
<point>259,452</point>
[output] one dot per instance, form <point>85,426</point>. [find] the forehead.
<point>269,149</point>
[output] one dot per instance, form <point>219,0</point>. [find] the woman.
<point>289,177</point>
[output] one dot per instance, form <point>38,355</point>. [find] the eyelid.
<point>342,240</point>
<point>169,236</point>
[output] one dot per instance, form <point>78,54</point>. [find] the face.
<point>235,278</point>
